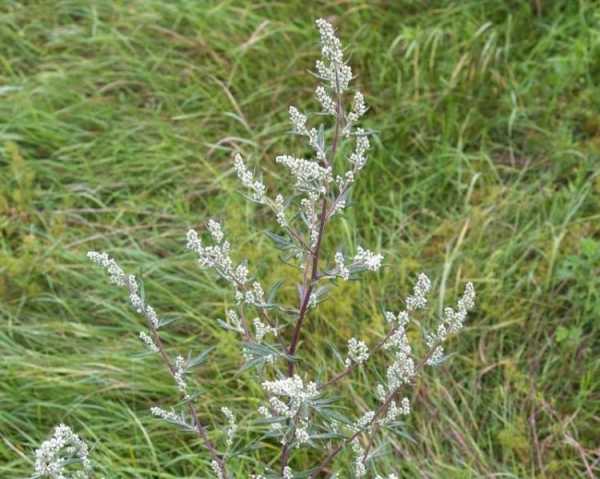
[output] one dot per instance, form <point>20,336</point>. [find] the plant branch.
<point>382,409</point>
<point>309,282</point>
<point>199,428</point>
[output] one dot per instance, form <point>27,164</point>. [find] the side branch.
<point>198,427</point>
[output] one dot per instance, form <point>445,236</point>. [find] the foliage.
<point>486,139</point>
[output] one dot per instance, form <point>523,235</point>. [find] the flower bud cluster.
<point>364,259</point>
<point>247,178</point>
<point>358,352</point>
<point>287,473</point>
<point>452,322</point>
<point>288,399</point>
<point>279,207</point>
<point>170,416</point>
<point>298,121</point>
<point>118,277</point>
<point>367,259</point>
<point>360,470</point>
<point>179,376</point>
<point>327,103</point>
<point>233,321</point>
<point>341,269</point>
<point>394,411</point>
<point>358,158</point>
<point>311,218</point>
<point>148,341</point>
<point>358,110</point>
<point>332,68</point>
<point>232,426</point>
<point>309,175</point>
<point>261,330</point>
<point>364,422</point>
<point>217,469</point>
<point>418,298</point>
<point>55,455</point>
<point>217,256</point>
<point>116,274</point>
<point>402,369</point>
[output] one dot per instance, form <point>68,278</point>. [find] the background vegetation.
<point>117,122</point>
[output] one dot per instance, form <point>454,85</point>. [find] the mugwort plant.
<point>297,411</point>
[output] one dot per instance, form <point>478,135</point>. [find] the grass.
<point>117,122</point>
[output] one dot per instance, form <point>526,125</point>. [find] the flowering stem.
<point>198,427</point>
<point>309,283</point>
<point>354,365</point>
<point>308,286</point>
<point>378,413</point>
<point>307,290</point>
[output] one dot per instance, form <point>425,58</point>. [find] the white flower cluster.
<point>298,121</point>
<point>402,369</point>
<point>311,218</point>
<point>309,175</point>
<point>170,416</point>
<point>451,322</point>
<point>358,352</point>
<point>231,428</point>
<point>367,259</point>
<point>364,422</point>
<point>179,376</point>
<point>332,68</point>
<point>358,110</point>
<point>390,476</point>
<point>217,469</point>
<point>326,101</point>
<point>279,207</point>
<point>53,457</point>
<point>149,342</point>
<point>247,178</point>
<point>233,321</point>
<point>341,269</point>
<point>262,330</point>
<point>360,458</point>
<point>394,410</point>
<point>217,256</point>
<point>118,277</point>
<point>116,274</point>
<point>288,398</point>
<point>401,319</point>
<point>418,299</point>
<point>358,158</point>
<point>254,295</point>
<point>292,388</point>
<point>364,259</point>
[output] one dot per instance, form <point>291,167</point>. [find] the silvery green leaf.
<point>260,353</point>
<point>227,326</point>
<point>199,359</point>
<point>164,322</point>
<point>281,242</point>
<point>273,291</point>
<point>320,293</point>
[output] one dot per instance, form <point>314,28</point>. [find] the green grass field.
<point>117,123</point>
